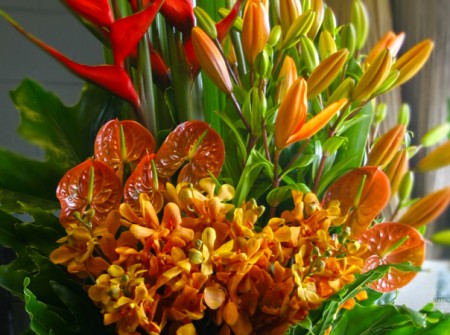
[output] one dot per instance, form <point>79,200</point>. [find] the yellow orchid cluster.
<point>204,263</point>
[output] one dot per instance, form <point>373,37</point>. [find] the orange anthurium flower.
<point>255,29</point>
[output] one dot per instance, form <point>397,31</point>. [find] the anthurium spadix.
<point>111,77</point>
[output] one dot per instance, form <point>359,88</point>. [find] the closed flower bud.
<point>397,169</point>
<point>436,159</point>
<point>348,38</point>
<point>388,83</point>
<point>291,115</point>
<point>263,67</point>
<point>298,28</point>
<point>326,72</point>
<point>389,41</point>
<point>406,186</point>
<point>211,60</point>
<point>309,53</point>
<point>274,36</point>
<point>386,146</point>
<point>327,45</point>
<point>412,61</point>
<point>427,209</point>
<point>329,21</point>
<point>435,135</point>
<point>255,30</point>
<point>373,76</point>
<point>287,76</point>
<point>360,19</point>
<point>344,90</point>
<point>404,115</point>
<point>380,113</point>
<point>290,10</point>
<point>205,22</point>
<point>317,7</point>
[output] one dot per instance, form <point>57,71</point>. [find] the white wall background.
<point>19,58</point>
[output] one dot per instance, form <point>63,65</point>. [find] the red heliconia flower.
<point>128,31</point>
<point>97,12</point>
<point>114,78</point>
<point>179,13</point>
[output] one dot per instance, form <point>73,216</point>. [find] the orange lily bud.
<point>288,74</point>
<point>324,74</point>
<point>390,41</point>
<point>319,121</point>
<point>373,76</point>
<point>427,209</point>
<point>397,169</point>
<point>412,61</point>
<point>386,147</point>
<point>211,60</point>
<point>290,10</point>
<point>436,159</point>
<point>291,115</point>
<point>255,30</point>
<point>317,7</point>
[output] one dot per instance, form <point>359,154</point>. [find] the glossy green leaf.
<point>66,133</point>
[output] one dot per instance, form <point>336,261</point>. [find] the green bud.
<point>309,53</point>
<point>329,21</point>
<point>223,12</point>
<point>195,256</point>
<point>327,45</point>
<point>274,36</point>
<point>380,112</point>
<point>299,27</point>
<point>404,114</point>
<point>412,151</point>
<point>258,109</point>
<point>262,64</point>
<point>406,186</point>
<point>343,91</point>
<point>435,135</point>
<point>306,4</point>
<point>360,19</point>
<point>348,38</point>
<point>388,83</point>
<point>205,22</point>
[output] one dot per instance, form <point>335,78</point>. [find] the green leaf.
<point>301,162</point>
<point>65,133</point>
<point>26,180</point>
<point>280,194</point>
<point>42,319</point>
<point>441,237</point>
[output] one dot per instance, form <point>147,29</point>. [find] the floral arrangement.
<point>222,173</point>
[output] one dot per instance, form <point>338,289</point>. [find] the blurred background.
<point>427,94</point>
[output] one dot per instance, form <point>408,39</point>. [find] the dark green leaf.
<point>66,133</point>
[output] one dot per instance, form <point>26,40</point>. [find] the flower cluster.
<point>270,211</point>
<point>203,262</point>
